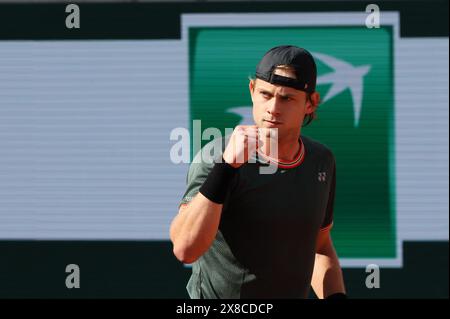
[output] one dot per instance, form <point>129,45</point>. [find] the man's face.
<point>281,107</point>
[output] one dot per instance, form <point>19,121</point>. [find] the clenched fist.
<point>243,143</point>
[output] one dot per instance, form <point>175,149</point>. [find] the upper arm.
<point>182,207</point>
<point>199,169</point>
<point>197,174</point>
<point>327,221</point>
<point>323,240</point>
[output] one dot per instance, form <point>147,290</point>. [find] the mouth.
<point>273,122</point>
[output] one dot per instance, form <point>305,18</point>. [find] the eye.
<point>266,94</point>
<point>286,98</point>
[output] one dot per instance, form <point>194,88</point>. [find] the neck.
<point>288,148</point>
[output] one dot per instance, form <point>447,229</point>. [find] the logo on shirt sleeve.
<point>322,177</point>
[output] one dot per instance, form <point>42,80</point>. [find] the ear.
<point>312,103</point>
<point>251,87</point>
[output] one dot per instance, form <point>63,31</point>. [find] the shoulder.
<point>205,158</point>
<point>210,152</point>
<point>317,149</point>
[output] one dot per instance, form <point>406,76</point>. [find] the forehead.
<point>275,88</point>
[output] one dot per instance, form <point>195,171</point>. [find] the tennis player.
<point>254,235</point>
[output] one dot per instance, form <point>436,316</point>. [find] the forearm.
<point>194,228</point>
<point>327,276</point>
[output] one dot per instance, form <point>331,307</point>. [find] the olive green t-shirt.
<point>265,244</point>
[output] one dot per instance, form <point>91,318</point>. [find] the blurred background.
<point>89,98</point>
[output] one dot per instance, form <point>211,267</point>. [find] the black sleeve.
<point>328,219</point>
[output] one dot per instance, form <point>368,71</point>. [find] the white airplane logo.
<point>345,76</point>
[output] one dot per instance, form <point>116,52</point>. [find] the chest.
<point>287,198</point>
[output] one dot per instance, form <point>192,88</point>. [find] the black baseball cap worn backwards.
<point>298,58</point>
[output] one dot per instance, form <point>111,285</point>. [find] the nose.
<point>273,106</point>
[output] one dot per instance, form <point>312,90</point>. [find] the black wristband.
<point>216,184</point>
<point>338,295</point>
